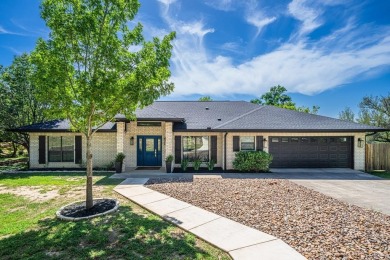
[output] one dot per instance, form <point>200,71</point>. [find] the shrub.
<point>252,161</point>
<point>210,165</point>
<point>184,164</point>
<point>197,163</point>
<point>120,157</point>
<point>169,158</point>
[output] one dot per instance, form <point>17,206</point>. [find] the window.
<point>342,139</point>
<point>61,148</point>
<point>284,139</point>
<point>196,147</point>
<point>275,140</point>
<point>247,143</point>
<point>294,139</point>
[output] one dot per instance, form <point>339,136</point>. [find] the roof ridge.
<point>240,116</point>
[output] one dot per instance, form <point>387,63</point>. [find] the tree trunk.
<point>89,198</point>
<point>15,149</point>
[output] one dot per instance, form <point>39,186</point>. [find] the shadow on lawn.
<point>124,234</point>
<point>21,175</point>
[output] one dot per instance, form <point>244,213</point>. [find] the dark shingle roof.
<point>224,116</point>
<point>59,126</point>
<point>270,118</point>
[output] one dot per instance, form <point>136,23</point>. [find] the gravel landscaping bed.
<point>317,226</point>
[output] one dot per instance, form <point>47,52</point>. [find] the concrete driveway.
<point>347,185</point>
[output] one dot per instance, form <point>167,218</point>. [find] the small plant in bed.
<point>197,164</point>
<point>252,161</point>
<point>210,165</point>
<point>184,164</point>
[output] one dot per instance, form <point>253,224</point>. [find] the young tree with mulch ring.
<point>86,71</point>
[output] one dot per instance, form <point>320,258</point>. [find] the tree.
<point>276,97</point>
<point>205,98</point>
<point>376,111</point>
<point>347,114</point>
<point>18,104</point>
<point>86,71</point>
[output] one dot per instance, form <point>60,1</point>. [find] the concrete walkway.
<point>240,241</point>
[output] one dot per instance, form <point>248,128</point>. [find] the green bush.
<point>211,164</point>
<point>120,157</point>
<point>184,164</point>
<point>197,163</point>
<point>258,161</point>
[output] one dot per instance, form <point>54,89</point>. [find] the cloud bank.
<point>301,64</point>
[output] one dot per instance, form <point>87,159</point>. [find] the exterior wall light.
<point>132,140</point>
<point>360,142</point>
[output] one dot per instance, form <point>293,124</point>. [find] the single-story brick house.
<point>208,130</point>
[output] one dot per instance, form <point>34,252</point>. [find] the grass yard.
<point>383,174</point>
<point>29,230</point>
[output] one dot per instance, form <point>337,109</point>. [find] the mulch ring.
<point>78,210</point>
<point>317,226</point>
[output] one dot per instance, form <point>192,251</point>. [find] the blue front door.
<point>149,151</point>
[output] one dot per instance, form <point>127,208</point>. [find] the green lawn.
<point>29,230</point>
<point>383,174</point>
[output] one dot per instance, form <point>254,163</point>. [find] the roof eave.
<point>285,130</point>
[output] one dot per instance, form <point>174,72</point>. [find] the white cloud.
<point>5,31</point>
<point>302,66</point>
<point>167,2</point>
<point>223,5</point>
<point>308,15</point>
<point>299,69</point>
<point>258,20</point>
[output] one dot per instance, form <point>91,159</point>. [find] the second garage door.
<point>311,152</point>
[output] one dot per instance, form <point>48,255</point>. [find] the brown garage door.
<point>311,152</point>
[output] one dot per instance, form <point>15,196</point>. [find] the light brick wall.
<point>359,153</point>
<point>105,146</point>
<point>168,141</point>
<point>103,150</point>
<point>120,139</point>
<point>219,144</point>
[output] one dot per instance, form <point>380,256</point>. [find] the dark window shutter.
<point>78,149</point>
<point>177,149</point>
<point>236,143</point>
<point>42,149</point>
<point>259,143</point>
<point>214,148</point>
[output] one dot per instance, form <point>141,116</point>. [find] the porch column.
<point>168,141</point>
<point>120,138</point>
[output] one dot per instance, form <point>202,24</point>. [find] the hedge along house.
<point>207,130</point>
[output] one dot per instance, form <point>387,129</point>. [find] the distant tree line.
<point>18,103</point>
<point>373,110</point>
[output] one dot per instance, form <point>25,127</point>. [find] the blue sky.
<point>329,53</point>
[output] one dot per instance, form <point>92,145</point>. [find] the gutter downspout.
<point>224,151</point>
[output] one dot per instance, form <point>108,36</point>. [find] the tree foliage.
<point>277,96</point>
<point>86,71</point>
<point>205,98</point>
<point>347,114</point>
<point>18,104</point>
<point>375,111</point>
